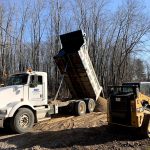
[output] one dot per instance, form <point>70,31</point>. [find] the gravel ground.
<point>88,132</point>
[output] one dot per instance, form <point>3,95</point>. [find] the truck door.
<point>36,88</point>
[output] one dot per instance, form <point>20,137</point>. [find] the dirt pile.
<point>101,105</point>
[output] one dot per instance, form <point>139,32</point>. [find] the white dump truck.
<point>24,98</point>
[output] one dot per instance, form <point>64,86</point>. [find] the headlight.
<point>141,109</point>
<point>3,112</point>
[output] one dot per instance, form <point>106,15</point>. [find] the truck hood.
<point>10,94</point>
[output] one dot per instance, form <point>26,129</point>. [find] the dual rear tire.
<point>81,107</point>
<point>90,105</point>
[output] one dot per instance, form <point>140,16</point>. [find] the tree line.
<point>29,37</point>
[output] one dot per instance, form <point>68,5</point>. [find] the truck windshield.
<point>19,79</point>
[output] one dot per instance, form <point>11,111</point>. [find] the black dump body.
<point>120,105</point>
<point>71,42</point>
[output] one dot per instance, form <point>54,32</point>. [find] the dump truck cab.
<point>129,105</point>
<point>25,87</point>
<point>24,92</point>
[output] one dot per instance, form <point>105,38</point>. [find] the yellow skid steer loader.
<point>129,105</point>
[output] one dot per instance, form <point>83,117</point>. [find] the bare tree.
<point>31,37</point>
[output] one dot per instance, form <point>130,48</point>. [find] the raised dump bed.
<point>74,62</point>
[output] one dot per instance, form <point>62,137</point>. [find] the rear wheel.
<point>80,108</point>
<point>90,105</point>
<point>23,120</point>
<point>145,129</point>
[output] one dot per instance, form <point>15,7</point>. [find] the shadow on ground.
<point>70,137</point>
<point>5,132</point>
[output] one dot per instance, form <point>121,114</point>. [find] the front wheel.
<point>145,129</point>
<point>23,120</point>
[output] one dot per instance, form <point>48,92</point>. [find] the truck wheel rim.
<point>24,120</point>
<point>81,108</point>
<point>91,106</point>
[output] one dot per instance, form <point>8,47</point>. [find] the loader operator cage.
<point>144,87</point>
<point>122,90</point>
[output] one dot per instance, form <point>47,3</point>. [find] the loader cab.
<point>119,103</point>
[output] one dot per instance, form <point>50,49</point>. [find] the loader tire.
<point>90,105</point>
<point>145,128</point>
<point>23,121</point>
<point>80,108</point>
